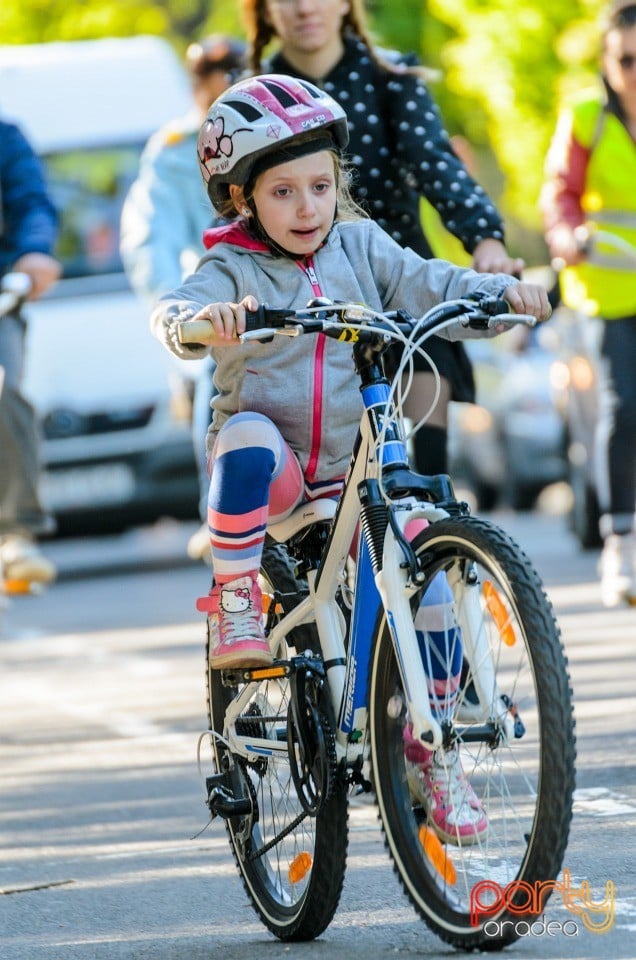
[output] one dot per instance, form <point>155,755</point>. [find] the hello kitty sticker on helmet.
<point>219,144</point>
<point>255,117</point>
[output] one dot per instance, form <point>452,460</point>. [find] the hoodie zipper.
<point>319,353</point>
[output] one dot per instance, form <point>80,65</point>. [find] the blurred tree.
<point>397,25</point>
<point>505,64</point>
<point>35,21</point>
<point>224,16</point>
<point>506,67</point>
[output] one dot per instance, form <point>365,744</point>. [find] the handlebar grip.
<point>266,317</point>
<point>193,331</point>
<point>494,306</point>
<point>256,319</point>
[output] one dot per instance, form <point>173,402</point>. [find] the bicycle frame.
<point>382,580</point>
<point>440,624</point>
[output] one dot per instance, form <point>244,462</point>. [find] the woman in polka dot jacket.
<point>400,151</point>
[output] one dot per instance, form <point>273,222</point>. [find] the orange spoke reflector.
<point>300,867</point>
<point>500,615</point>
<point>438,855</point>
<point>266,673</point>
<point>267,604</point>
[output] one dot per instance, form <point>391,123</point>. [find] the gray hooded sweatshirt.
<point>307,385</point>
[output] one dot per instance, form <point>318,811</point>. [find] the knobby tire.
<point>525,784</point>
<point>292,911</point>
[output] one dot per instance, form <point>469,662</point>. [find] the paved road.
<point>101,807</point>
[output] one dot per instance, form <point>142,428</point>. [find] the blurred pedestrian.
<point>28,230</point>
<point>591,173</point>
<point>400,152</point>
<point>166,212</point>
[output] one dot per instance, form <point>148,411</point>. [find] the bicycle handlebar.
<point>594,243</point>
<point>324,316</point>
<point>14,289</point>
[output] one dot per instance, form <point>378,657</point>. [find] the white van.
<point>114,405</point>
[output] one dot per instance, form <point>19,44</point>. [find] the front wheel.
<point>505,707</point>
<point>292,862</point>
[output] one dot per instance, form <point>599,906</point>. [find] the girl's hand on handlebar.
<point>529,298</point>
<point>227,321</point>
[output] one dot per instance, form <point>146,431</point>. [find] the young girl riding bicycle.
<point>287,412</point>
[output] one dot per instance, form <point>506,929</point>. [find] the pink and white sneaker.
<point>438,782</point>
<point>235,618</point>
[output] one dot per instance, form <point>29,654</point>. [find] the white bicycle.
<point>352,668</point>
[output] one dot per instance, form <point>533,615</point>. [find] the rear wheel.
<point>585,513</point>
<point>514,733</point>
<point>292,862</point>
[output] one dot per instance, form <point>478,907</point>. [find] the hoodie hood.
<point>235,233</point>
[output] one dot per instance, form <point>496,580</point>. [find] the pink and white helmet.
<point>258,116</point>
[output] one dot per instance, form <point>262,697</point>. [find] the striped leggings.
<point>256,479</point>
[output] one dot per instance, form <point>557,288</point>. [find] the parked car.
<point>114,405</point>
<point>511,444</point>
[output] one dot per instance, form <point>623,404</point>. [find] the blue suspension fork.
<point>370,563</point>
<point>352,720</point>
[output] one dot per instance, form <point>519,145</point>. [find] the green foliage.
<point>40,21</point>
<point>507,67</point>
<point>506,64</point>
<point>224,16</point>
<point>398,25</point>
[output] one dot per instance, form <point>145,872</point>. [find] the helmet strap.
<point>255,226</point>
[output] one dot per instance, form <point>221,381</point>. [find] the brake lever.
<point>267,334</point>
<point>512,320</point>
<point>488,319</point>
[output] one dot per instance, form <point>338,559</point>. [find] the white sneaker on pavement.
<point>617,568</point>
<point>22,561</point>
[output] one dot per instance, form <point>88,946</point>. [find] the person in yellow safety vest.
<point>590,192</point>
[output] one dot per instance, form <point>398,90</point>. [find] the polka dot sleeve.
<point>423,148</point>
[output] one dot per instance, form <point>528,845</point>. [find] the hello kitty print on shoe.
<point>235,617</point>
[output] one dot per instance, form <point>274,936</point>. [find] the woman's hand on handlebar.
<point>490,256</point>
<point>530,298</point>
<point>226,320</point>
<point>568,245</point>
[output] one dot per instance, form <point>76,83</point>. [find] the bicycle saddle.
<point>302,516</point>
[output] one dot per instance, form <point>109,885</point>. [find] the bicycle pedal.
<point>279,668</point>
<point>21,587</point>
